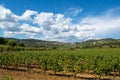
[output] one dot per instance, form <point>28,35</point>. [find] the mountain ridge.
<point>89,43</point>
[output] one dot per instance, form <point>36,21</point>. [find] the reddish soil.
<point>22,75</point>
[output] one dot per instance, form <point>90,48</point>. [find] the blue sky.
<point>63,20</point>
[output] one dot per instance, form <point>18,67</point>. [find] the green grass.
<point>1,45</point>
<point>93,51</point>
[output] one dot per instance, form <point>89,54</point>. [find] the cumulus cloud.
<point>27,15</point>
<point>6,15</point>
<point>57,27</point>
<point>27,28</point>
<point>44,19</point>
<point>7,19</point>
<point>11,25</point>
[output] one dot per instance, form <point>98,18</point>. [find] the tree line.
<point>9,45</point>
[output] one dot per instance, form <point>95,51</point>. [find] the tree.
<point>1,49</point>
<point>21,44</point>
<point>16,48</point>
<point>11,43</point>
<point>2,40</point>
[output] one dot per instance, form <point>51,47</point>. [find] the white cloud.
<point>73,12</point>
<point>28,28</point>
<point>9,33</point>
<point>52,26</point>
<point>27,15</point>
<point>9,23</point>
<point>7,19</point>
<point>57,27</point>
<point>102,24</point>
<point>6,15</point>
<point>44,19</point>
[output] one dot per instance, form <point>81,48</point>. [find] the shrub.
<point>16,48</point>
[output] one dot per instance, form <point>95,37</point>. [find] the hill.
<point>93,43</point>
<point>38,43</point>
<point>107,42</point>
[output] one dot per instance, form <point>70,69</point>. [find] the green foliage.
<point>99,61</point>
<point>1,49</point>
<point>11,43</point>
<point>21,44</point>
<point>7,78</point>
<point>16,48</point>
<point>2,40</point>
<point>55,66</point>
<point>54,47</point>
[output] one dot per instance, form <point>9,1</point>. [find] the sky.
<point>60,20</point>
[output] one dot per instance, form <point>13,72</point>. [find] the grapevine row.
<point>62,61</point>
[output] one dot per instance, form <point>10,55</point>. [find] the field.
<point>61,65</point>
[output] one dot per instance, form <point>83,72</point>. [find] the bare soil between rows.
<point>37,74</point>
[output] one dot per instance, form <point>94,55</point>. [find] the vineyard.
<point>100,62</point>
